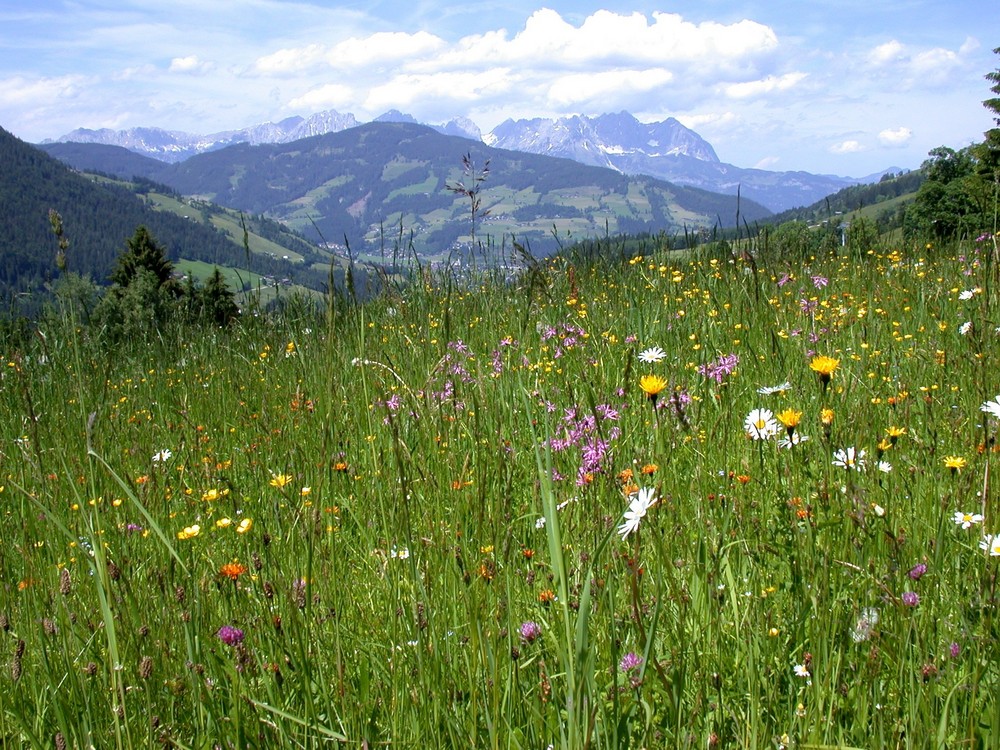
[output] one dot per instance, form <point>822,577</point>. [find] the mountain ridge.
<point>666,150</point>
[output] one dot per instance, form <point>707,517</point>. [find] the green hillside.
<point>356,186</point>
<point>100,213</point>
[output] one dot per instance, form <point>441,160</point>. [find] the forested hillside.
<point>98,217</point>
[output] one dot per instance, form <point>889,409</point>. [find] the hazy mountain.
<point>176,146</point>
<point>173,146</point>
<point>666,150</point>
<point>600,140</point>
<point>358,183</point>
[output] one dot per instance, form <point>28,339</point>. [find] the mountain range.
<point>371,185</point>
<point>665,150</point>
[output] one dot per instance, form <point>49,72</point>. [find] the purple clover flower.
<point>910,598</point>
<point>630,661</point>
<point>530,631</point>
<point>230,635</point>
<point>917,571</point>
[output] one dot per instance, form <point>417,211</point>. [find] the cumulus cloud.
<point>607,37</point>
<point>712,120</point>
<point>846,147</point>
<point>20,91</point>
<point>413,90</point>
<point>578,88</point>
<point>895,136</point>
<point>330,96</point>
<point>189,64</point>
<point>288,61</point>
<point>766,85</point>
<point>915,67</point>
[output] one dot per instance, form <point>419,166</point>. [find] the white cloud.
<point>605,37</point>
<point>330,96</point>
<point>711,121</point>
<point>20,91</point>
<point>383,48</point>
<point>578,88</point>
<point>189,64</point>
<point>846,147</point>
<point>286,61</point>
<point>750,89</point>
<point>767,162</point>
<point>910,67</point>
<point>409,90</point>
<point>895,136</point>
<point>888,52</point>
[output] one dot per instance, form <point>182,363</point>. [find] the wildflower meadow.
<point>685,499</point>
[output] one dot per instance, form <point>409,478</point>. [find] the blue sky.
<point>840,87</point>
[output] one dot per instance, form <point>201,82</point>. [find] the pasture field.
<point>702,500</point>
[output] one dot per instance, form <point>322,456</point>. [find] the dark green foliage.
<point>990,152</point>
<point>143,253</point>
<point>955,199</point>
<point>97,217</point>
<point>216,303</point>
<point>113,160</point>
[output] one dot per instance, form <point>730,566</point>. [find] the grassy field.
<point>662,501</point>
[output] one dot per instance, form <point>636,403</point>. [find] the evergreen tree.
<point>218,302</point>
<point>991,150</point>
<point>143,252</point>
<point>144,296</point>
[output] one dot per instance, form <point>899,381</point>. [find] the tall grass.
<point>398,523</point>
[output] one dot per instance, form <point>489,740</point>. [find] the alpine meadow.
<point>729,489</point>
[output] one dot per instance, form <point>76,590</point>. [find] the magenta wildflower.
<point>530,631</point>
<point>954,649</point>
<point>630,661</point>
<point>917,571</point>
<point>910,598</point>
<point>230,635</point>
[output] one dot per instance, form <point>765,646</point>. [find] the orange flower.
<point>233,570</point>
<point>547,596</point>
<point>649,469</point>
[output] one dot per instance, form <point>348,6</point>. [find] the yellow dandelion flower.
<point>955,463</point>
<point>280,480</point>
<point>790,418</point>
<point>244,526</point>
<point>652,385</point>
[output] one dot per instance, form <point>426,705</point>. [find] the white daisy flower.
<point>992,407</point>
<point>760,424</point>
<point>643,501</point>
<point>768,390</point>
<point>991,544</point>
<point>965,520</point>
<point>849,458</point>
<point>652,355</point>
